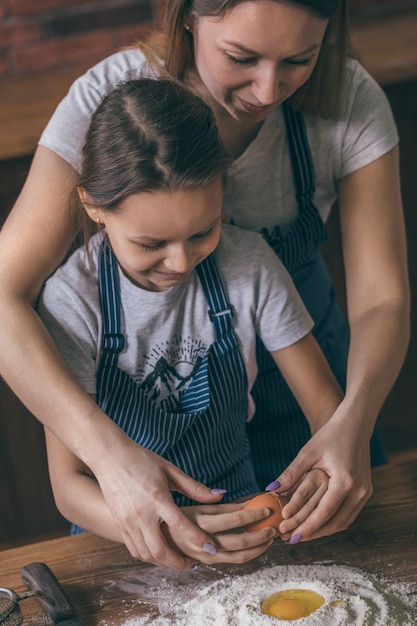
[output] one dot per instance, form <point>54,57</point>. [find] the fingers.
<point>155,544</point>
<point>146,542</point>
<point>303,502</point>
<point>237,556</point>
<point>239,547</point>
<point>235,542</point>
<point>179,481</point>
<point>225,517</point>
<point>295,471</point>
<point>325,514</point>
<point>140,525</point>
<point>218,520</point>
<point>334,515</point>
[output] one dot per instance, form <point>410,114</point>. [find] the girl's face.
<point>257,55</point>
<point>159,237</point>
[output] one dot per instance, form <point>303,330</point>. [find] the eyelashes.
<point>237,61</point>
<point>250,60</point>
<point>161,244</point>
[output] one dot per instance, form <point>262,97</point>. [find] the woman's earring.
<point>186,26</point>
<point>98,222</point>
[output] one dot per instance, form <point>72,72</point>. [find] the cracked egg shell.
<point>272,501</point>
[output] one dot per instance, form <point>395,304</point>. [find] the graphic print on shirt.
<point>169,368</point>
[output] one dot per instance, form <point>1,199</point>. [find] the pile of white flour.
<point>352,597</point>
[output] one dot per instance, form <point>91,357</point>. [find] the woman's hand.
<point>133,504</point>
<point>140,500</point>
<point>218,520</point>
<point>344,457</point>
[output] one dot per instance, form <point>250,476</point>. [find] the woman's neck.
<point>236,136</point>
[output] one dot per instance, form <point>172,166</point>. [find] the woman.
<point>245,59</point>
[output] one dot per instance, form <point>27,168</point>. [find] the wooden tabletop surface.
<point>108,587</point>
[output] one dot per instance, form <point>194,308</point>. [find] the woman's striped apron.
<point>279,428</point>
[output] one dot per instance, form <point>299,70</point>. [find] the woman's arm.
<point>79,498</point>
<point>374,251</point>
<point>378,296</point>
<point>33,241</point>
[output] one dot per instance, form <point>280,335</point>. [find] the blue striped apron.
<point>205,437</point>
<point>279,428</point>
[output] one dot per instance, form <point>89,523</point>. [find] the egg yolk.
<point>287,609</point>
<point>292,604</point>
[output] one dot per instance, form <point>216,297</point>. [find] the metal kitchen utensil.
<point>42,584</point>
<point>39,578</point>
<point>10,613</point>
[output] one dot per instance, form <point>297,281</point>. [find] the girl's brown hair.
<point>146,135</point>
<point>321,93</point>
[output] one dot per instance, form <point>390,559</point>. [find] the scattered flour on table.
<point>352,597</point>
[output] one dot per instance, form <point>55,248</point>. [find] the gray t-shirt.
<point>169,331</point>
<point>260,191</point>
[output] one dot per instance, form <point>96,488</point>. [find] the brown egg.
<point>272,501</point>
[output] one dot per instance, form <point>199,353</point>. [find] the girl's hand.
<point>304,499</point>
<point>218,520</point>
<point>345,459</point>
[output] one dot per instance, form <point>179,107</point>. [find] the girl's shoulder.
<point>81,266</point>
<point>246,252</point>
<point>235,240</point>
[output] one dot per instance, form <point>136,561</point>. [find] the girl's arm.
<point>313,384</point>
<point>33,241</point>
<point>79,498</point>
<point>378,299</point>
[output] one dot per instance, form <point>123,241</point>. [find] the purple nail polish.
<point>295,539</point>
<point>218,492</point>
<point>210,548</point>
<point>274,485</point>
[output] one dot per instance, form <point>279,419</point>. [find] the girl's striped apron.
<point>206,437</point>
<point>279,428</point>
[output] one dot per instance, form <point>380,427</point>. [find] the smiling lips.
<point>171,275</point>
<point>252,108</point>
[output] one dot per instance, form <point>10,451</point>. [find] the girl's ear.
<point>93,212</point>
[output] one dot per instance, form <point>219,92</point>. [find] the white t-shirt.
<point>260,191</point>
<point>170,331</point>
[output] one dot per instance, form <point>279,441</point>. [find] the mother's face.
<point>257,55</point>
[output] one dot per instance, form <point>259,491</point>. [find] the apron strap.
<point>302,162</point>
<point>299,245</point>
<point>220,312</point>
<point>109,291</point>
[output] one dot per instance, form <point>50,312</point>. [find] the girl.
<point>306,126</point>
<point>157,318</point>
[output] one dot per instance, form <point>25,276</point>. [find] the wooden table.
<point>108,587</point>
